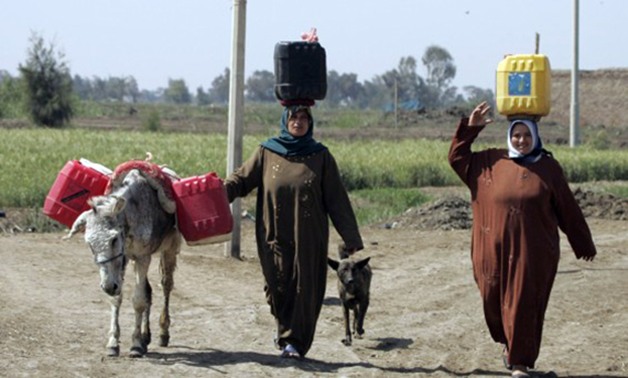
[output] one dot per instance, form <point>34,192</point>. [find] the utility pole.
<point>236,116</point>
<point>574,121</point>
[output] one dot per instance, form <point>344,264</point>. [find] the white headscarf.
<point>537,146</point>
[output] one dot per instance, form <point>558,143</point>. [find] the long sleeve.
<point>339,207</point>
<point>570,218</point>
<point>246,178</point>
<point>460,149</point>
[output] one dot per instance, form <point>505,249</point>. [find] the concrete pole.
<point>574,138</point>
<point>236,116</point>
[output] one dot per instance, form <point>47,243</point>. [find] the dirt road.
<point>425,317</point>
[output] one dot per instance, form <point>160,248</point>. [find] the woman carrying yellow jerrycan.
<point>520,198</point>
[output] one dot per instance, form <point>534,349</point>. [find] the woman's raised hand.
<point>478,115</point>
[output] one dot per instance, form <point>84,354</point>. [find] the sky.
<point>158,40</point>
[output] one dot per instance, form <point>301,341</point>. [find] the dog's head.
<point>352,273</point>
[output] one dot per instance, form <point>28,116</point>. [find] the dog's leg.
<point>361,313</point>
<point>347,339</point>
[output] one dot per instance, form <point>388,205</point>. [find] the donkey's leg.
<point>167,266</point>
<point>113,344</point>
<point>142,300</point>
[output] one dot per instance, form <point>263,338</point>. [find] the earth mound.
<point>454,212</point>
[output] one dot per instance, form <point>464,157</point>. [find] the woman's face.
<point>298,123</point>
<point>521,138</point>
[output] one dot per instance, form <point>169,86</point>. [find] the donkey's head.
<point>104,233</point>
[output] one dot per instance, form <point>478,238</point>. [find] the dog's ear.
<point>333,264</point>
<point>362,263</point>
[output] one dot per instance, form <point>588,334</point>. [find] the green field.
<point>385,174</point>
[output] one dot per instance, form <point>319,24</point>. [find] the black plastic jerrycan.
<point>300,71</point>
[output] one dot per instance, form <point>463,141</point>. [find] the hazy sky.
<point>157,40</point>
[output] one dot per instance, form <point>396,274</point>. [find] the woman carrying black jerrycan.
<point>298,190</point>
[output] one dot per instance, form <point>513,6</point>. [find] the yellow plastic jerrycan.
<point>523,85</point>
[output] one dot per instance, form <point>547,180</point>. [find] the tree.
<point>82,87</point>
<point>219,91</point>
<point>261,86</point>
<point>116,88</point>
<point>48,85</point>
<point>202,98</point>
<point>177,92</point>
<point>404,81</point>
<point>343,90</point>
<point>476,95</point>
<point>131,89</point>
<point>99,89</point>
<point>440,66</point>
<point>10,96</point>
<point>440,72</point>
<point>374,94</point>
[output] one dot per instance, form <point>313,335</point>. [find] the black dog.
<point>354,282</point>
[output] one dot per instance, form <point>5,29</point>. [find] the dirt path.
<point>425,318</point>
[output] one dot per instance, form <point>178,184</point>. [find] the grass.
<point>374,205</point>
<point>384,176</point>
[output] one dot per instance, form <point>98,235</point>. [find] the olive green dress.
<point>295,198</point>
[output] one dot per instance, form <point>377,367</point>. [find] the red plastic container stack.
<point>74,185</point>
<point>203,213</point>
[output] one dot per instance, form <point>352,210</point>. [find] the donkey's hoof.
<point>164,340</point>
<point>113,351</point>
<point>346,341</point>
<point>137,352</point>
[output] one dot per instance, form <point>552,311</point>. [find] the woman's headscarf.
<point>537,146</point>
<point>288,145</point>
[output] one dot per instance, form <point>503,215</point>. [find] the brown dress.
<point>517,211</point>
<point>295,197</point>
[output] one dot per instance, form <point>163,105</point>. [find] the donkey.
<point>132,222</point>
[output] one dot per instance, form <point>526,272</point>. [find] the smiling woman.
<point>521,138</point>
<point>520,199</point>
<point>524,142</point>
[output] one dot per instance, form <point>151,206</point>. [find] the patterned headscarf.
<point>537,146</point>
<point>288,145</point>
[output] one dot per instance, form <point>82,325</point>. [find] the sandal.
<point>505,359</point>
<point>289,351</point>
<point>520,372</point>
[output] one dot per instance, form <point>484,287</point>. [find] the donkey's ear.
<point>95,201</point>
<point>79,224</point>
<point>119,205</point>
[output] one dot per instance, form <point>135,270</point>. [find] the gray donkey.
<point>354,282</point>
<point>133,222</point>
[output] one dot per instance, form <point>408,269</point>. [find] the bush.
<point>599,141</point>
<point>48,85</point>
<point>152,122</point>
<point>10,98</point>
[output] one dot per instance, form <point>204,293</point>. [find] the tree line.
<point>46,90</point>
